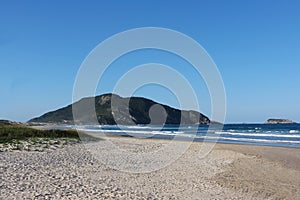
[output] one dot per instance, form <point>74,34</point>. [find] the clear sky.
<point>255,44</point>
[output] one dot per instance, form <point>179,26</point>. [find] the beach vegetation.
<point>15,133</point>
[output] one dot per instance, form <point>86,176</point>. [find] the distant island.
<point>139,108</point>
<point>279,121</point>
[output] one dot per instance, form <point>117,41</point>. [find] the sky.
<point>255,45</point>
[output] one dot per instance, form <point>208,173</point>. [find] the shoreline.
<point>228,171</point>
<point>253,135</point>
<point>100,136</point>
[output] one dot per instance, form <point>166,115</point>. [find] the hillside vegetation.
<point>125,111</point>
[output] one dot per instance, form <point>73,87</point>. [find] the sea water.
<point>286,135</point>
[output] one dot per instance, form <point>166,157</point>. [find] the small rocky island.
<point>279,121</point>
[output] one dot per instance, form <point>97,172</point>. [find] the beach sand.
<point>227,172</point>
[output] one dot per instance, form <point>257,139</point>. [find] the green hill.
<point>138,108</point>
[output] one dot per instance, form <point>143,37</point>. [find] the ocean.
<point>285,135</point>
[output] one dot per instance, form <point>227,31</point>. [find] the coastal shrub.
<point>8,133</point>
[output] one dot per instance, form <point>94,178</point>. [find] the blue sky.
<point>255,44</point>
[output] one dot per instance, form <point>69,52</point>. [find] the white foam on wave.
<point>137,127</point>
<point>218,135</point>
<point>293,131</point>
<point>152,132</point>
<point>258,134</point>
<point>260,140</point>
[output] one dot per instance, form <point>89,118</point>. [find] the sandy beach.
<point>227,172</point>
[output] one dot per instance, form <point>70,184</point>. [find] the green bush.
<point>19,132</point>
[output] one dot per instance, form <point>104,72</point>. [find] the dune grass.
<point>9,133</point>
